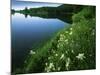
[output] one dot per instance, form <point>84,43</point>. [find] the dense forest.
<point>65,11</point>
<point>72,48</point>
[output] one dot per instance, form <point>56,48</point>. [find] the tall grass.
<point>71,49</point>
<point>75,48</point>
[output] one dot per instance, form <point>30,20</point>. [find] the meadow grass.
<point>73,48</point>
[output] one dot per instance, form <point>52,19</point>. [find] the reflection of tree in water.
<point>12,11</point>
<point>63,17</point>
<point>63,12</point>
<point>26,15</point>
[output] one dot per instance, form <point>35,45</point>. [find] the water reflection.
<point>26,15</point>
<point>31,32</point>
<point>64,17</point>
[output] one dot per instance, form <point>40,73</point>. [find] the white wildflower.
<point>70,28</point>
<point>61,39</point>
<point>80,56</point>
<point>49,58</point>
<point>32,52</point>
<point>62,56</point>
<point>46,63</point>
<point>58,40</point>
<point>54,68</point>
<point>66,52</point>
<point>47,69</point>
<point>66,40</point>
<point>72,51</point>
<point>56,54</point>
<point>58,68</point>
<point>53,51</point>
<point>51,65</point>
<point>58,45</point>
<point>61,35</point>
<point>67,63</point>
<point>70,33</point>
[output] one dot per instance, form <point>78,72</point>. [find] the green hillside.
<point>72,48</point>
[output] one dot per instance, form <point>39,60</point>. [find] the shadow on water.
<point>63,17</point>
<point>63,12</point>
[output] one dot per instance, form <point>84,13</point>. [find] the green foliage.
<point>86,13</point>
<point>65,11</point>
<point>53,10</point>
<point>75,48</point>
<point>71,49</point>
<point>12,11</point>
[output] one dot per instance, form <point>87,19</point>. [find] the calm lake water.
<point>31,32</point>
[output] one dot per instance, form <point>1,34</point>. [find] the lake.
<point>31,32</point>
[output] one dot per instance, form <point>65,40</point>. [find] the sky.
<point>22,4</point>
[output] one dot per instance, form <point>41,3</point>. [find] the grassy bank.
<point>71,49</point>
<point>75,47</point>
